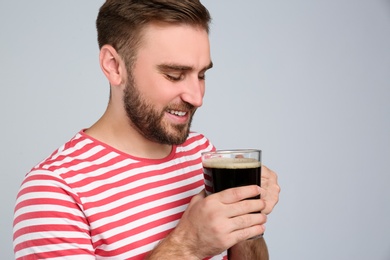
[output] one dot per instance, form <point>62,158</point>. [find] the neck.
<point>114,129</point>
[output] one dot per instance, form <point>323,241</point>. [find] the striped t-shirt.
<point>90,201</point>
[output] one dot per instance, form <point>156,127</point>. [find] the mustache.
<point>184,106</point>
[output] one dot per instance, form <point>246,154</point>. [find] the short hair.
<point>120,22</point>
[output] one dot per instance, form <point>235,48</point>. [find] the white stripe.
<point>141,195</point>
<point>137,251</point>
<point>140,236</point>
<point>76,257</point>
<point>138,183</point>
<point>193,145</point>
<point>219,257</point>
<point>43,196</point>
<point>45,182</point>
<point>96,148</point>
<point>84,164</point>
<point>64,152</point>
<point>99,171</point>
<point>50,234</point>
<point>44,208</point>
<point>53,247</point>
<point>49,221</point>
<point>208,183</point>
<point>47,207</point>
<point>67,159</point>
<point>133,172</point>
<point>143,207</point>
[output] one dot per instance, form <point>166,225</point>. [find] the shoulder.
<point>79,144</point>
<point>62,169</point>
<point>198,142</point>
<point>74,157</point>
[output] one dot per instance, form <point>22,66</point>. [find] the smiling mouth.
<point>177,112</point>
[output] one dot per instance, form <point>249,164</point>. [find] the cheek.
<point>155,89</point>
<point>157,92</point>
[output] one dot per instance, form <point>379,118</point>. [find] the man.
<point>131,185</point>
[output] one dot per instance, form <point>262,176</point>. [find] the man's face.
<point>167,82</point>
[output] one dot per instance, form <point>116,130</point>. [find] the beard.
<point>149,122</point>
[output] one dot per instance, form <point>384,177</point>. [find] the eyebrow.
<point>178,67</point>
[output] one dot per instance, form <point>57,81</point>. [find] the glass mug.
<point>224,169</point>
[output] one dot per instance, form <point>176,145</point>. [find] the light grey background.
<point>308,82</point>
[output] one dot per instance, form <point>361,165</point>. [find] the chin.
<point>179,137</point>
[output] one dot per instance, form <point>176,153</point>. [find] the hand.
<point>214,223</point>
<point>257,249</point>
<point>269,182</point>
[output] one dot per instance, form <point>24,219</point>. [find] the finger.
<point>265,171</point>
<point>270,199</point>
<point>201,195</point>
<point>247,220</point>
<point>245,207</point>
<point>268,175</point>
<point>263,194</point>
<point>247,233</point>
<point>233,195</point>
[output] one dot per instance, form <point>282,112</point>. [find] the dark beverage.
<point>225,169</point>
<point>225,173</point>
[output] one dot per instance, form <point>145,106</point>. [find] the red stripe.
<point>52,241</point>
<point>119,195</point>
<point>49,214</point>
<point>48,228</point>
<point>52,189</point>
<point>104,176</point>
<point>132,244</point>
<point>142,201</point>
<point>56,253</point>
<point>122,182</point>
<point>180,153</point>
<point>73,142</point>
<point>45,200</point>
<point>76,161</point>
<point>145,213</point>
<point>39,177</point>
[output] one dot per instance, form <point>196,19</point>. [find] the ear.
<point>112,65</point>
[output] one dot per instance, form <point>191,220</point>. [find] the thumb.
<point>201,195</point>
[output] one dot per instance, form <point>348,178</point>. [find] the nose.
<point>193,92</point>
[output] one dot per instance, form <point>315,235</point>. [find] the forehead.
<point>181,44</point>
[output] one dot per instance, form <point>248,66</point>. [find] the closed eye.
<point>176,72</point>
<point>174,78</point>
